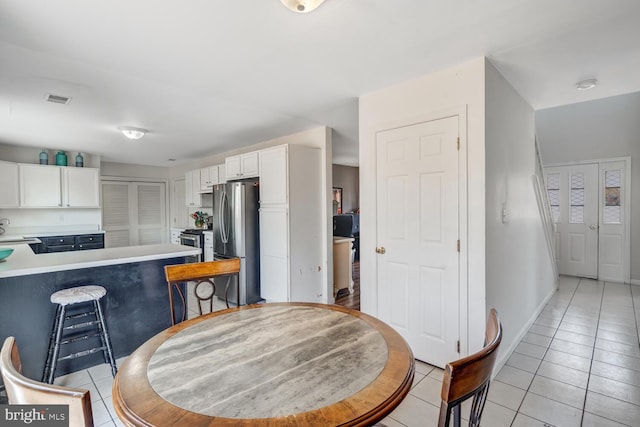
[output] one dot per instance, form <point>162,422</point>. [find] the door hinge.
<point>458,346</point>
<point>458,143</point>
<point>458,245</point>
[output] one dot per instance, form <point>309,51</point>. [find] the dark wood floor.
<point>346,299</point>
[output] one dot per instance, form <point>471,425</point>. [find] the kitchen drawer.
<point>90,239</point>
<point>60,248</point>
<point>58,240</point>
<point>85,246</point>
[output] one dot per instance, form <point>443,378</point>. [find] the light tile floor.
<point>579,365</point>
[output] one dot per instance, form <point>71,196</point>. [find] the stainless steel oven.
<point>193,237</point>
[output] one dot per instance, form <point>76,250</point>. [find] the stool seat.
<point>78,295</point>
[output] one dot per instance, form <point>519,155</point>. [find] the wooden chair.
<point>469,377</point>
<point>201,272</point>
<point>22,390</point>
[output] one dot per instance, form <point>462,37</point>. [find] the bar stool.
<point>62,334</point>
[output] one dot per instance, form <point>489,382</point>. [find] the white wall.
<point>519,271</point>
<point>592,130</point>
<point>125,170</point>
<point>459,88</point>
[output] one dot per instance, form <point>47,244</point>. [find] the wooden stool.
<point>78,295</point>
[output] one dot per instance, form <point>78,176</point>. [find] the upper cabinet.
<point>192,195</point>
<point>211,176</point>
<point>242,166</point>
<point>81,187</point>
<point>274,181</point>
<point>208,178</point>
<point>54,186</point>
<point>9,190</point>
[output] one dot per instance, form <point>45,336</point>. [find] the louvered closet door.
<point>133,213</point>
<point>149,201</point>
<point>116,214</point>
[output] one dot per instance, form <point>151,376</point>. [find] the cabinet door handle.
<point>381,250</point>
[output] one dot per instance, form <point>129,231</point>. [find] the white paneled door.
<point>614,236</point>
<point>589,205</point>
<point>417,236</point>
<point>573,195</point>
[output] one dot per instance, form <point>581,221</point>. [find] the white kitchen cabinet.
<point>81,187</point>
<point>242,166</point>
<point>222,174</point>
<point>175,235</point>
<point>291,225</point>
<point>209,177</point>
<point>44,186</point>
<point>192,195</point>
<point>274,254</point>
<point>9,190</point>
<point>208,245</point>
<point>273,176</point>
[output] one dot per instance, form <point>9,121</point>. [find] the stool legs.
<point>54,346</point>
<point>57,340</point>
<point>106,341</point>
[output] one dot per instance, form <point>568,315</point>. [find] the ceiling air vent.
<point>58,99</point>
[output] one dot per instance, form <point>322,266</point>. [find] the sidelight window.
<point>612,210</point>
<point>553,190</point>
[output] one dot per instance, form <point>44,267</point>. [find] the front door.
<point>417,236</point>
<point>573,195</point>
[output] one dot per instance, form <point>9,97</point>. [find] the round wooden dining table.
<point>277,364</point>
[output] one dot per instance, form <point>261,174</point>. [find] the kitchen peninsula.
<point>136,305</point>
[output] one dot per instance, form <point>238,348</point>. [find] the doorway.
<point>590,207</point>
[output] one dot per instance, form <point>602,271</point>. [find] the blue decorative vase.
<point>61,158</point>
<point>44,157</point>
<point>79,160</point>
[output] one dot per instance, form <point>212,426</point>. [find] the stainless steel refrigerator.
<point>236,234</point>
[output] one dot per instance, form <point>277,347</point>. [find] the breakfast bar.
<point>135,307</point>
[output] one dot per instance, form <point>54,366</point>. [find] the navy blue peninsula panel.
<point>136,308</point>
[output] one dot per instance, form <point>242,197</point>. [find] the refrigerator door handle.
<point>224,226</point>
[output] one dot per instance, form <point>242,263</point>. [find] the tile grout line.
<point>593,352</point>
<point>545,353</point>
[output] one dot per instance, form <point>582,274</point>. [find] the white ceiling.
<point>207,76</point>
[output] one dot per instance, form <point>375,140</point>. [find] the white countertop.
<point>23,261</point>
<point>63,233</point>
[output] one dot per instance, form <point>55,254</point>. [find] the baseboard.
<point>504,355</point>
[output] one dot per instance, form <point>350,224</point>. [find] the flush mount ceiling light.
<point>586,84</point>
<point>131,132</point>
<point>302,6</point>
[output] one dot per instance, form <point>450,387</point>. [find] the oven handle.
<point>193,239</point>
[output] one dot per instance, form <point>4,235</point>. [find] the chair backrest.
<point>22,390</point>
<point>201,270</point>
<point>470,376</point>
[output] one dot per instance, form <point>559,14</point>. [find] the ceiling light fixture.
<point>586,84</point>
<point>131,132</point>
<point>302,6</point>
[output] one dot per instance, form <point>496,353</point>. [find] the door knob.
<point>593,227</point>
<point>381,250</point>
